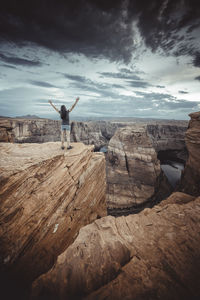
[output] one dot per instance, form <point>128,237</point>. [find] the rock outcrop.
<point>132,168</point>
<point>151,255</point>
<point>190,182</point>
<point>94,133</point>
<point>134,176</point>
<point>46,196</point>
<point>29,130</point>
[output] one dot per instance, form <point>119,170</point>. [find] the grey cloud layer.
<point>19,61</point>
<point>100,28</point>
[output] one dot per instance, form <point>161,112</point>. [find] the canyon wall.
<point>190,182</point>
<point>133,171</point>
<point>46,196</point>
<point>29,130</point>
<point>150,255</point>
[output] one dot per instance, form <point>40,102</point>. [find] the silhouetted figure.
<point>65,126</point>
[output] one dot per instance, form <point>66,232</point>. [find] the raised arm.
<point>74,104</point>
<point>53,106</point>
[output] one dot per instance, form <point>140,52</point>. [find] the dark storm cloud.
<point>101,28</point>
<point>42,84</point>
<point>183,92</point>
<point>197,78</point>
<point>19,61</point>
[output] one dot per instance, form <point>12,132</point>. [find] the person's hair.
<point>63,111</point>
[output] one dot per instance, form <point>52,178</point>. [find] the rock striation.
<point>46,196</point>
<point>134,176</point>
<point>190,182</point>
<point>97,133</point>
<point>150,255</point>
<point>29,130</point>
<point>132,167</point>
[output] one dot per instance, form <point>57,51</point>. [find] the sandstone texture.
<point>190,182</point>
<point>132,168</point>
<point>151,255</point>
<point>94,133</point>
<point>134,176</point>
<point>46,196</point>
<point>29,130</point>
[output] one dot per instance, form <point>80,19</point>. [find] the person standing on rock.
<point>65,126</point>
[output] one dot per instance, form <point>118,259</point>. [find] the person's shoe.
<point>62,147</point>
<point>70,147</point>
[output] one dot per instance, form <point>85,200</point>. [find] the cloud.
<point>138,84</point>
<point>197,78</point>
<point>103,28</point>
<point>19,61</point>
<point>42,84</point>
<point>120,75</point>
<point>183,92</point>
<point>196,60</point>
<point>9,66</point>
<point>160,86</point>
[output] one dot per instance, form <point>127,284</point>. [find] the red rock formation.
<point>46,196</point>
<point>133,169</point>
<point>190,182</point>
<point>151,255</point>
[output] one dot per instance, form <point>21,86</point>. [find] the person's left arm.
<point>74,104</point>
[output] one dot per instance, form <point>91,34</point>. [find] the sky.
<point>123,58</point>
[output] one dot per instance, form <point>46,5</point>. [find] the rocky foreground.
<point>151,255</point>
<point>46,196</point>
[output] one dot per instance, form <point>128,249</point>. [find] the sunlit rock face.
<point>46,196</point>
<point>190,182</point>
<point>132,167</point>
<point>29,130</point>
<point>150,255</point>
<point>134,175</point>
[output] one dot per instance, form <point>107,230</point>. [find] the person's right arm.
<point>53,106</point>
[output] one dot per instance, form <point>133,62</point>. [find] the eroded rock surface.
<point>46,196</point>
<point>190,182</point>
<point>94,133</point>
<point>152,255</point>
<point>29,130</point>
<point>134,175</point>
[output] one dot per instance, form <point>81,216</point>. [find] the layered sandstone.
<point>190,182</point>
<point>47,195</point>
<point>134,176</point>
<point>151,255</point>
<point>29,130</point>
<point>133,169</point>
<point>97,133</point>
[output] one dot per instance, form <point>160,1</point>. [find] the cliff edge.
<point>46,196</point>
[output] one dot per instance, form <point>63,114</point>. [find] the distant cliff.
<point>29,131</point>
<point>46,196</point>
